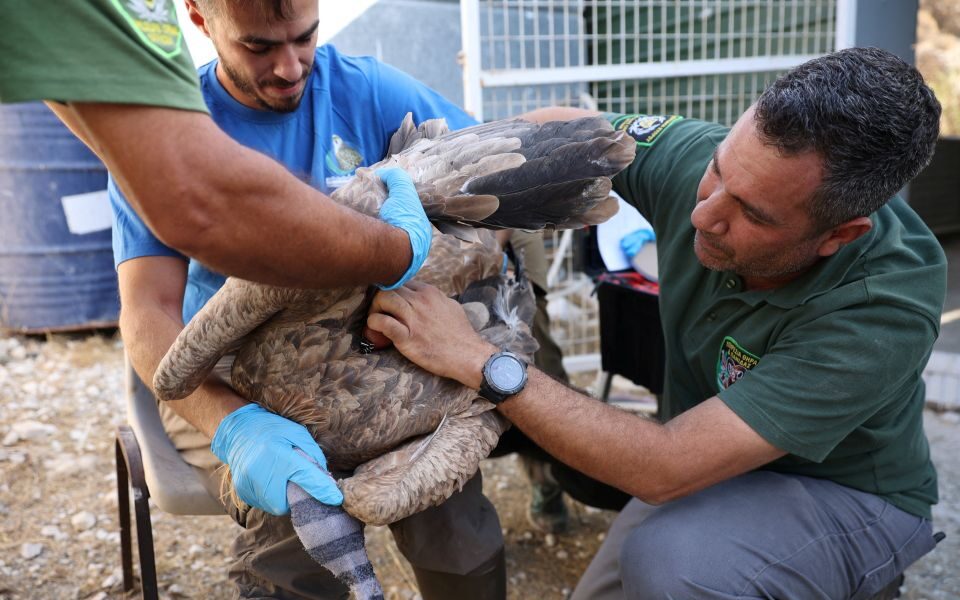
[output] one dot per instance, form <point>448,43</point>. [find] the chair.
<point>148,463</point>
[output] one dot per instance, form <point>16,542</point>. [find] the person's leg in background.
<point>456,549</point>
<point>547,510</point>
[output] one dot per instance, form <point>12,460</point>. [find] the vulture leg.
<point>423,472</point>
<point>233,312</point>
<point>335,540</point>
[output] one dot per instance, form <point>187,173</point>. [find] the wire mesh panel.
<point>705,59</point>
<point>721,98</point>
<point>649,56</point>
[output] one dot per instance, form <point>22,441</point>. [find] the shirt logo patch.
<point>342,158</point>
<point>155,22</point>
<point>646,129</point>
<point>733,363</point>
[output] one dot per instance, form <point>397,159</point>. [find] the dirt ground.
<point>60,402</point>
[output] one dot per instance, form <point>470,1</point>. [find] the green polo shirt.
<point>122,51</point>
<point>828,367</point>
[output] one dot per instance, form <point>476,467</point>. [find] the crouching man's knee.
<point>675,558</point>
<point>653,566</point>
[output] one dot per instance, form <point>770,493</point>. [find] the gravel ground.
<point>60,402</point>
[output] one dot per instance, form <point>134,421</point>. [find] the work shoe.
<point>547,511</point>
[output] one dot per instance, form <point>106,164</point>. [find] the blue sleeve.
<point>131,237</point>
<point>398,93</point>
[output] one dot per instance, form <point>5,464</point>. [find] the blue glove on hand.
<point>633,242</point>
<point>259,447</point>
<point>403,209</point>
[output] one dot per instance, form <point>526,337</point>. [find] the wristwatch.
<point>504,374</point>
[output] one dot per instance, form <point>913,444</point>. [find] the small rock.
<point>195,549</point>
<point>550,540</point>
<point>99,596</point>
<point>83,521</point>
<point>52,531</point>
<point>109,581</point>
<point>11,438</point>
<point>562,555</point>
<point>527,535</point>
<point>176,590</point>
<point>33,431</point>
<point>30,550</point>
<point>17,458</point>
<point>601,536</point>
<point>62,464</point>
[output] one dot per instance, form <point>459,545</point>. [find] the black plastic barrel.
<point>53,276</point>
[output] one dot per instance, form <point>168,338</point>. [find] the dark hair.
<point>866,113</point>
<point>271,10</point>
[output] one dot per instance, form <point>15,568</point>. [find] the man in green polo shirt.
<point>118,73</point>
<point>800,299</point>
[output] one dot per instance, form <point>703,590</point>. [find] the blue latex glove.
<point>403,209</point>
<point>632,243</point>
<point>259,447</point>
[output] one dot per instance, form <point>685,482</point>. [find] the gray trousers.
<point>760,535</point>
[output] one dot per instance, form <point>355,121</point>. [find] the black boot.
<point>486,582</point>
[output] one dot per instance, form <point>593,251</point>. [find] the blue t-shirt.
<point>350,108</point>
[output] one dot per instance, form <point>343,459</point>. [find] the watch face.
<point>506,373</point>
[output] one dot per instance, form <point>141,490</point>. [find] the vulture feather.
<point>405,438</point>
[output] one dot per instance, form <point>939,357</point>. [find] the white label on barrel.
<point>88,212</point>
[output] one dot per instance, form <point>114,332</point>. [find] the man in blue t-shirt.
<point>321,114</point>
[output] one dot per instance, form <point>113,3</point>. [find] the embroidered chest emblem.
<point>155,22</point>
<point>733,363</point>
<point>645,129</point>
<point>342,158</point>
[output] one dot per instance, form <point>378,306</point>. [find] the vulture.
<point>404,438</point>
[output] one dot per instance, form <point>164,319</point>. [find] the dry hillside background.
<point>938,57</point>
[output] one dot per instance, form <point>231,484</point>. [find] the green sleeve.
<point>117,51</point>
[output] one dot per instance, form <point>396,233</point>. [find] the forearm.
<point>557,113</point>
<point>289,234</point>
<point>585,433</point>
<point>235,210</point>
<point>579,430</point>
<point>655,462</point>
<point>147,335</point>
